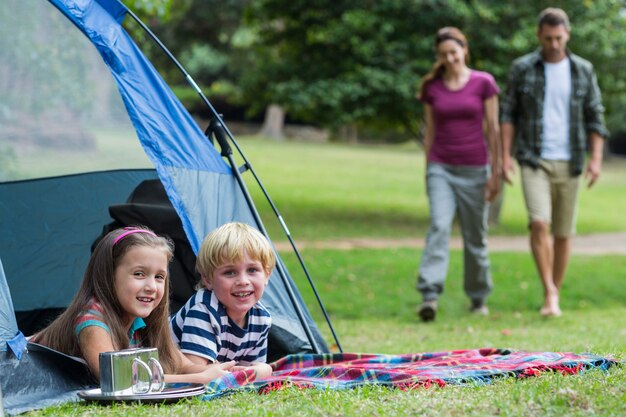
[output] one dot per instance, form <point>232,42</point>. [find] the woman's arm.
<point>92,341</point>
<point>495,149</point>
<point>429,129</point>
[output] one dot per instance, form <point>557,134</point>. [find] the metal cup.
<point>150,356</point>
<point>130,371</point>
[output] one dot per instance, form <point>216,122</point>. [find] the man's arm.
<point>508,117</point>
<point>507,132</point>
<point>596,130</point>
<point>594,166</point>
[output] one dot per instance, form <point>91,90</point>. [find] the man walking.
<point>552,111</point>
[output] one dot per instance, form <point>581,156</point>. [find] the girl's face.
<point>452,54</point>
<point>140,280</point>
<point>239,286</point>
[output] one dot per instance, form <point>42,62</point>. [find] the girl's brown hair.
<point>444,34</point>
<point>99,283</point>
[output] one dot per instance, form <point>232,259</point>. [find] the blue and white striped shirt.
<point>202,328</point>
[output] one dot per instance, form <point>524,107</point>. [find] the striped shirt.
<point>93,315</point>
<point>202,328</point>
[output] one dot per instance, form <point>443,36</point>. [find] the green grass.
<point>370,297</point>
<point>334,191</point>
<point>337,191</point>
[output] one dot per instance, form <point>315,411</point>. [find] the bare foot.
<point>551,306</point>
<point>547,312</point>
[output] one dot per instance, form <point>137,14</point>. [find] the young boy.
<point>224,320</point>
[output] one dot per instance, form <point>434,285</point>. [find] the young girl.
<point>123,302</point>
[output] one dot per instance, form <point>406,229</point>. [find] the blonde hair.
<point>230,243</point>
<point>99,283</point>
<point>444,34</point>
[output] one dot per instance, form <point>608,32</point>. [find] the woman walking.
<point>460,106</point>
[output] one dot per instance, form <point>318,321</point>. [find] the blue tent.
<point>49,224</point>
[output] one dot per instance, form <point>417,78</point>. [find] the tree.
<point>342,62</point>
<point>335,63</point>
<point>200,34</point>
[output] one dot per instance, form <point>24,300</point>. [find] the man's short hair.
<point>553,16</point>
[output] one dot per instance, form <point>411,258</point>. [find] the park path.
<point>593,244</point>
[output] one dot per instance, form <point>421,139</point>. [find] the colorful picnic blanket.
<point>407,371</point>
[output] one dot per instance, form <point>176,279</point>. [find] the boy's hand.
<point>217,370</point>
<point>262,370</point>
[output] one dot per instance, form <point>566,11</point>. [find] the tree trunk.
<point>274,123</point>
<point>350,133</point>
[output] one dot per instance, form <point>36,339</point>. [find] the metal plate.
<point>171,392</point>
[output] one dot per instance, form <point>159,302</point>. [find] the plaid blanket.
<point>407,371</point>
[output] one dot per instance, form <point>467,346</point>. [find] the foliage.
<point>200,34</point>
<point>151,8</point>
<point>340,62</point>
<point>333,62</point>
<point>336,63</point>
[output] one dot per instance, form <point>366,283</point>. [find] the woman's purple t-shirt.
<point>458,119</point>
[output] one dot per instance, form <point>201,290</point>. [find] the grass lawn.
<point>337,191</point>
<point>370,297</point>
<point>330,190</point>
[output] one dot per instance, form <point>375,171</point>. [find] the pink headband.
<point>130,231</point>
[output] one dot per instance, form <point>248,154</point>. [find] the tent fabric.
<point>46,378</point>
<point>33,377</point>
<point>8,325</point>
<point>198,182</point>
<point>45,273</point>
<point>50,224</point>
<point>200,185</point>
<point>174,143</point>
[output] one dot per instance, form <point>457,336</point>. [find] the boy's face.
<point>239,286</point>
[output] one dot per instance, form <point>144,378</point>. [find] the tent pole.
<point>222,128</point>
<point>218,128</point>
<point>215,127</point>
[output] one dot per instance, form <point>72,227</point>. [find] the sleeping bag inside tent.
<point>91,136</point>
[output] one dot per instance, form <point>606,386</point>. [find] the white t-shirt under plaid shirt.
<point>202,328</point>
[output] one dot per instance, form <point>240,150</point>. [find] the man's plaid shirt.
<point>522,105</point>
